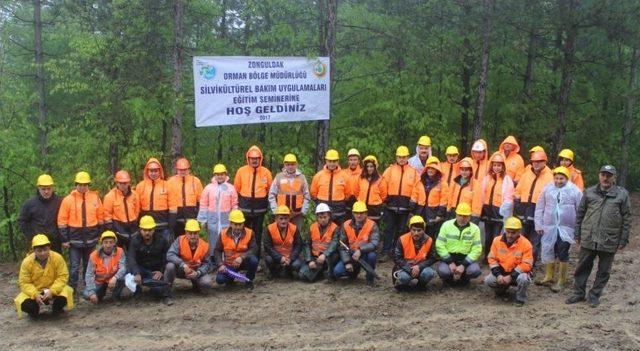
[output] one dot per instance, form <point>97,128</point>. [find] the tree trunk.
<point>527,84</point>
<point>568,9</point>
<point>327,48</point>
<point>7,212</point>
<point>629,117</point>
<point>113,146</point>
<point>178,100</point>
<point>42,107</point>
<point>467,63</point>
<point>223,21</point>
<point>484,69</point>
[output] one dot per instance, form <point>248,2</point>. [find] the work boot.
<point>167,301</point>
<point>248,286</point>
<point>519,303</point>
<point>548,275</point>
<point>593,301</point>
<point>574,299</point>
<point>562,277</point>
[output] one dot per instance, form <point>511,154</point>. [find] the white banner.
<point>241,89</point>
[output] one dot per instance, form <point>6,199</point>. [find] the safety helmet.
<point>236,216</point>
<point>44,180</point>
<point>566,153</point>
<point>332,155</point>
<point>39,240</point>
<point>478,146</point>
<point>562,170</point>
<point>82,178</point>
<point>183,163</point>
<point>371,158</point>
<point>416,220</point>
<point>463,209</point>
<point>452,150</point>
<point>359,207</point>
<point>465,163</point>
<point>538,156</point>
<point>108,234</point>
<point>513,223</point>
<point>282,210</point>
<point>497,157</point>
<point>122,176</point>
<point>290,158</point>
<point>219,168</point>
<point>424,141</point>
<point>192,225</point>
<point>322,207</point>
<point>402,151</point>
<point>147,222</point>
<point>353,152</point>
<point>536,148</point>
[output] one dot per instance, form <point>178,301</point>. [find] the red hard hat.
<point>538,156</point>
<point>183,163</point>
<point>122,176</point>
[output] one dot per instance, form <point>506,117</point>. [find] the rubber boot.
<point>562,277</point>
<point>548,276</point>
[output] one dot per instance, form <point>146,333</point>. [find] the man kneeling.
<point>189,258</point>
<point>282,244</point>
<point>413,257</point>
<point>510,260</point>
<point>236,250</point>
<point>320,250</point>
<point>105,270</point>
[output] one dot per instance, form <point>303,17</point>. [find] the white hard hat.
<point>322,207</point>
<point>478,146</point>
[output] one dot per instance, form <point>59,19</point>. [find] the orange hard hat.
<point>183,163</point>
<point>538,156</point>
<point>465,163</point>
<point>122,176</point>
<point>497,157</point>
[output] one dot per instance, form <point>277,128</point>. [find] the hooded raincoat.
<point>216,202</point>
<point>513,161</point>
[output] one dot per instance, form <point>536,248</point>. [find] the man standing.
<point>353,172</point>
<point>252,182</point>
<point>602,228</point>
<point>80,221</point>
<point>39,214</point>
<point>121,209</point>
<point>154,194</point>
<point>331,186</point>
<point>185,190</point>
<point>450,168</point>
<point>513,161</point>
<point>290,188</point>
<point>423,152</point>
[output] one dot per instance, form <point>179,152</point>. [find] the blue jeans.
<point>340,270</point>
<point>101,290</point>
<point>76,255</point>
<point>395,224</point>
<point>249,264</point>
<point>424,277</point>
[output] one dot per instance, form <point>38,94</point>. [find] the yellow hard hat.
<point>452,150</point>
<point>108,234</point>
<point>432,160</point>
<point>332,155</point>
<point>147,222</point>
<point>359,207</point>
<point>416,220</point>
<point>353,152</point>
<point>192,225</point>
<point>44,180</point>
<point>424,141</point>
<point>536,148</point>
<point>290,158</point>
<point>282,210</point>
<point>219,168</point>
<point>566,153</point>
<point>371,158</point>
<point>562,170</point>
<point>39,240</point>
<point>236,216</point>
<point>513,223</point>
<point>463,209</point>
<point>82,178</point>
<point>402,151</point>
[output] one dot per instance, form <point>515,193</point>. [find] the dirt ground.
<point>344,315</point>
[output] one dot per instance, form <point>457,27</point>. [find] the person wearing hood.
<point>154,194</point>
<point>566,158</point>
<point>423,152</point>
<point>80,221</point>
<point>480,159</point>
<point>372,188</point>
<point>40,212</point>
<point>555,220</point>
<point>436,197</point>
<point>252,182</point>
<point>526,195</point>
<point>404,192</point>
<point>185,190</point>
<point>451,167</point>
<point>217,201</point>
<point>462,191</point>
<point>513,161</point>
<point>290,188</point>
<point>496,198</point>
<point>331,186</point>
<point>121,209</point>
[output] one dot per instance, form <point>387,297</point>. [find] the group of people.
<point>150,234</point>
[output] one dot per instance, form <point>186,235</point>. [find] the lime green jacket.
<point>451,240</point>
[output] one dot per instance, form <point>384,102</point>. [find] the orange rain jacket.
<point>252,185</point>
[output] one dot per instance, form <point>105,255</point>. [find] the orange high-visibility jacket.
<point>332,188</point>
<point>466,193</point>
<point>404,189</point>
<point>193,259</point>
<point>362,237</point>
<point>105,272</point>
<point>80,217</point>
<point>528,190</point>
<point>409,249</point>
<point>576,177</point>
<point>518,256</point>
<point>371,194</point>
<point>513,162</point>
<point>252,185</point>
<point>284,246</point>
<point>232,250</point>
<point>185,195</point>
<point>319,243</point>
<point>154,196</point>
<point>121,208</point>
<point>449,172</point>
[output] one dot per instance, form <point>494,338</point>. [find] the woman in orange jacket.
<point>462,189</point>
<point>371,188</point>
<point>436,196</point>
